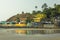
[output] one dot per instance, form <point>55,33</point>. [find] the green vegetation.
<point>36,18</point>
<point>49,12</point>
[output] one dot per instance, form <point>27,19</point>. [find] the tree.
<point>57,7</point>
<point>18,18</point>
<point>45,9</point>
<point>29,20</point>
<point>33,12</point>
<point>38,11</point>
<point>36,7</point>
<point>44,6</point>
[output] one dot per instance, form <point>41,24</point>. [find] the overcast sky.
<point>9,8</point>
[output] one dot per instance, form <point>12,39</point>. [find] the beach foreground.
<point>6,34</point>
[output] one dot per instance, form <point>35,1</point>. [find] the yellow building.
<point>36,19</point>
<point>39,17</point>
<point>20,25</point>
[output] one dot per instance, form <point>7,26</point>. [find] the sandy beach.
<point>6,34</point>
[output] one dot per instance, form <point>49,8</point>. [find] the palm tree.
<point>44,6</point>
<point>36,7</point>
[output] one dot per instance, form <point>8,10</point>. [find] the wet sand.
<point>6,34</point>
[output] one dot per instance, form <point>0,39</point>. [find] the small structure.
<point>47,23</point>
<point>57,21</point>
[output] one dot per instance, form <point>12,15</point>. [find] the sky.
<point>9,8</point>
